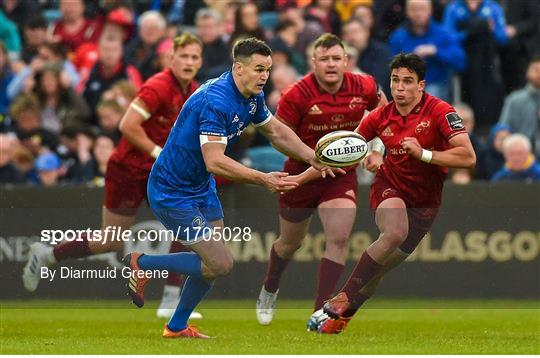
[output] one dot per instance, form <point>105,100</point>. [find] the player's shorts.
<point>299,204</point>
<point>420,219</point>
<point>188,217</point>
<point>125,188</point>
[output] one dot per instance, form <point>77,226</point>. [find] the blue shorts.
<point>187,216</point>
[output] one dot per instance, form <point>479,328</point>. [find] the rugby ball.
<point>341,149</point>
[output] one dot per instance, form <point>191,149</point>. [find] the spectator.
<point>464,176</point>
<point>141,51</point>
<point>388,15</point>
<point>493,158</point>
<point>523,25</point>
<point>9,35</point>
<point>346,8</point>
<point>246,23</point>
<point>123,92</point>
<point>323,12</point>
<point>364,13</point>
<point>164,54</point>
<point>438,47</point>
<point>520,164</point>
<point>110,113</point>
<point>480,26</point>
<point>6,76</point>
<point>48,167</point>
<point>352,59</point>
<point>60,105</point>
<point>34,35</point>
<point>23,160</point>
<point>18,10</point>
<point>308,31</point>
<point>8,171</point>
<point>73,29</point>
<point>109,69</point>
<point>282,45</point>
<point>92,164</point>
<point>521,110</point>
<point>281,77</point>
<point>373,56</point>
<point>216,57</point>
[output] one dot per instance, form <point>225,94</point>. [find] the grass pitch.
<point>417,327</point>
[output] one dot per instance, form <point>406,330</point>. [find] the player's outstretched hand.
<point>325,169</point>
<point>413,148</point>
<point>373,161</point>
<point>275,182</point>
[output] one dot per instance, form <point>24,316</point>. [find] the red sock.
<point>276,266</point>
<point>72,249</point>
<point>329,273</point>
<point>364,271</point>
<point>359,301</point>
<point>176,279</point>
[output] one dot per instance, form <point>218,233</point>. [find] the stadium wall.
<point>484,244</point>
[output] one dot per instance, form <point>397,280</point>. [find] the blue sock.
<point>193,292</point>
<point>188,263</point>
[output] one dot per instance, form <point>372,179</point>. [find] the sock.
<point>175,279</point>
<point>188,263</point>
<point>360,301</point>
<point>362,274</point>
<point>276,266</point>
<point>329,273</point>
<point>72,249</point>
<point>193,292</point>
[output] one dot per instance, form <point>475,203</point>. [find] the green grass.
<point>423,327</point>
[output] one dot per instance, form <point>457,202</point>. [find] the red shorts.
<point>420,219</point>
<point>125,188</point>
<point>299,204</point>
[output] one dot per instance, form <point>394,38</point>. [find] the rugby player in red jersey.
<point>324,101</point>
<point>423,136</point>
<point>145,127</point>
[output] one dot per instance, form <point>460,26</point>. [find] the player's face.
<point>533,74</point>
<point>253,75</point>
<point>329,64</point>
<point>186,61</point>
<point>405,86</point>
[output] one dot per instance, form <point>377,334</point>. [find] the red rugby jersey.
<point>313,112</point>
<point>89,32</point>
<point>164,98</point>
<point>433,122</point>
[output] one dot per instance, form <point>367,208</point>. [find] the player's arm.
<point>461,155</point>
<point>219,164</point>
<point>131,128</point>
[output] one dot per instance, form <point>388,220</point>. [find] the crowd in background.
<point>70,68</point>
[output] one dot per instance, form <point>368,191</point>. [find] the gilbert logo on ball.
<point>341,149</point>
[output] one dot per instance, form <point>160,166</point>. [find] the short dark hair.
<point>35,22</point>
<point>283,25</point>
<point>244,48</point>
<point>327,40</point>
<point>410,61</point>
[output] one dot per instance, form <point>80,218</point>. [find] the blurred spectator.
<point>281,77</point>
<point>141,51</point>
<point>189,10</point>
<point>34,35</point>
<point>8,171</point>
<point>9,35</point>
<point>323,11</point>
<point>163,54</point>
<point>246,23</point>
<point>480,26</point>
<point>18,10</point>
<point>109,69</point>
<point>25,111</point>
<point>6,76</point>
<point>48,167</point>
<point>388,15</point>
<point>73,29</point>
<point>23,160</point>
<point>520,164</point>
<point>438,47</point>
<point>216,57</point>
<point>493,158</point>
<point>123,92</point>
<point>467,115</point>
<point>352,59</point>
<point>282,45</point>
<point>347,8</point>
<point>89,166</point>
<point>308,31</point>
<point>60,105</point>
<point>226,10</point>
<point>364,13</point>
<point>521,110</point>
<point>47,53</point>
<point>110,113</point>
<point>523,25</point>
<point>373,55</point>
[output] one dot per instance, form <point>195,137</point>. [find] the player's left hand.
<point>413,148</point>
<point>373,161</point>
<point>324,169</point>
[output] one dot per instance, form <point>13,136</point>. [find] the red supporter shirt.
<point>89,32</point>
<point>312,112</point>
<point>164,98</point>
<point>432,122</point>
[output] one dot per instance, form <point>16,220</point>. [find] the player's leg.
<point>337,217</point>
<point>291,236</point>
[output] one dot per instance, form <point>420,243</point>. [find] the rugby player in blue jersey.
<point>181,187</point>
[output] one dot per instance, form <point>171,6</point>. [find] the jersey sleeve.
<point>151,97</point>
<point>212,122</point>
<point>449,123</point>
<point>262,114</point>
<point>368,125</point>
<point>290,108</point>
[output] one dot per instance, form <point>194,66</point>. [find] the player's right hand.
<point>373,161</point>
<point>324,169</point>
<point>276,183</point>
